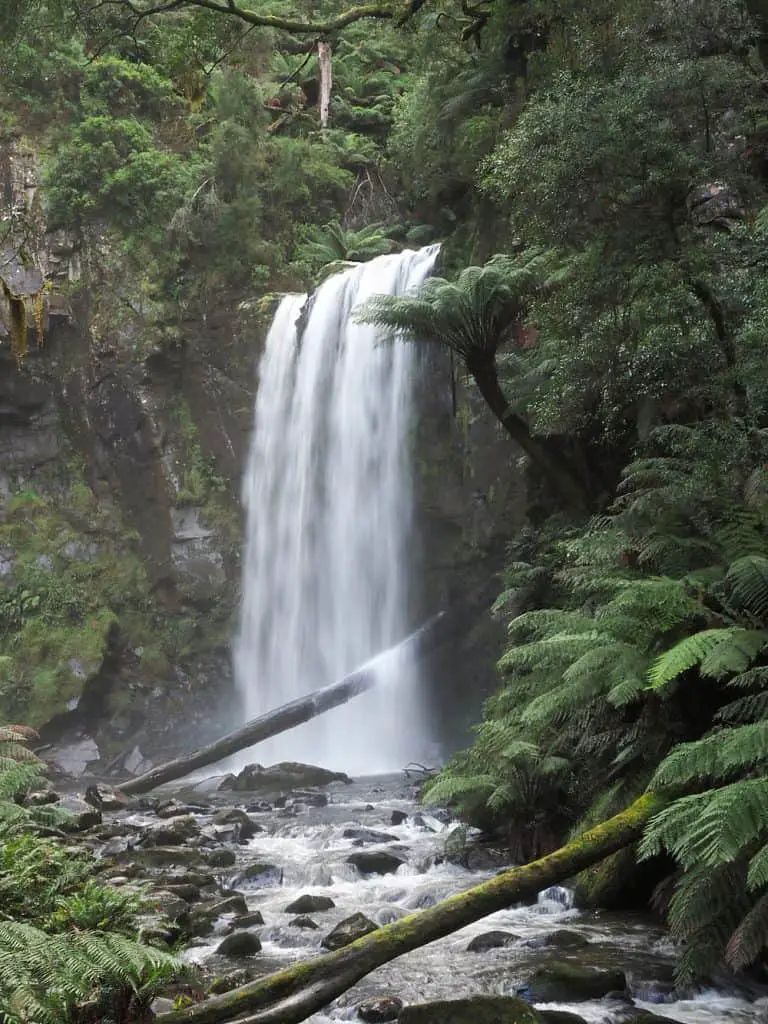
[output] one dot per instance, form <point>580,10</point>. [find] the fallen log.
<point>293,994</point>
<point>281,719</point>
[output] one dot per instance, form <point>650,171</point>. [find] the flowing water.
<point>309,848</point>
<point>329,523</point>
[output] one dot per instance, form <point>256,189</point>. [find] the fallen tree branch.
<point>293,994</point>
<point>289,715</point>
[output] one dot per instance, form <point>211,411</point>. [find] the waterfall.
<point>328,501</point>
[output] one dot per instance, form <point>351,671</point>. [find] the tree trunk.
<point>483,370</point>
<point>429,636</point>
<point>293,994</point>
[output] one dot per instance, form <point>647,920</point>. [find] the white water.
<point>329,515</point>
<point>311,849</point>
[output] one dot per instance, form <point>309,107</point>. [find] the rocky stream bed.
<point>254,879</point>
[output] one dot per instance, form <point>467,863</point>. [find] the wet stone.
<point>371,862</point>
<point>240,944</point>
<point>348,930</point>
<point>368,835</point>
<point>491,940</point>
<point>249,920</point>
<point>379,1009</point>
<point>304,922</point>
<point>398,817</point>
<point>561,982</point>
<point>221,858</point>
<point>245,826</point>
<point>309,904</point>
<point>478,1010</point>
<point>562,938</point>
<point>261,875</point>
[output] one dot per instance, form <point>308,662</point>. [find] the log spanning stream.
<point>308,850</point>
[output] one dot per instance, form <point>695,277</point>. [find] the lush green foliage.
<point>66,940</point>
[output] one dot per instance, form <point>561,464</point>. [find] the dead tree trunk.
<point>289,715</point>
<point>292,995</point>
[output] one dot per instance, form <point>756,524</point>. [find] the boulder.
<point>368,835</point>
<point>81,815</point>
<point>253,917</point>
<point>491,940</point>
<point>398,817</point>
<point>371,862</point>
<point>260,875</point>
<point>245,825</point>
<point>175,832</point>
<point>240,944</point>
<point>304,922</point>
<point>104,798</point>
<point>288,775</point>
<point>561,982</point>
<point>163,856</point>
<point>562,938</point>
<point>476,1010</point>
<point>351,928</point>
<point>222,858</point>
<point>309,904</point>
<point>172,907</point>
<point>174,809</point>
<point>379,1009</point>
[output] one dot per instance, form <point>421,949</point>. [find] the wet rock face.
<point>371,862</point>
<point>351,928</point>
<point>379,1009</point>
<point>491,940</point>
<point>310,905</point>
<point>286,775</point>
<point>562,982</point>
<point>240,944</point>
<point>479,1010</point>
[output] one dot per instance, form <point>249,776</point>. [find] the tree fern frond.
<point>693,650</point>
<point>748,578</point>
<point>750,938</point>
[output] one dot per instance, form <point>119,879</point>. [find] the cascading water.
<point>329,514</point>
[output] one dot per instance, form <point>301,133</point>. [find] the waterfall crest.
<point>328,501</point>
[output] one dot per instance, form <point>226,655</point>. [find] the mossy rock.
<point>477,1010</point>
<point>560,982</point>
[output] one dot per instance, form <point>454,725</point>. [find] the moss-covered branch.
<point>398,12</point>
<point>292,995</point>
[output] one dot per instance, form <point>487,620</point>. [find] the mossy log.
<point>281,719</point>
<point>292,995</point>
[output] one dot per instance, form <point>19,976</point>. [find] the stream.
<point>309,849</point>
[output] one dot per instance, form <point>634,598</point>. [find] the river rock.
<point>348,930</point>
<point>370,862</point>
<point>253,917</point>
<point>189,893</point>
<point>164,856</point>
<point>246,826</point>
<point>171,906</point>
<point>562,938</point>
<point>307,798</point>
<point>260,875</point>
<point>309,904</point>
<point>304,922</point>
<point>222,858</point>
<point>644,1017</point>
<point>240,944</point>
<point>81,814</point>
<point>477,1010</point>
<point>368,835</point>
<point>398,817</point>
<point>174,809</point>
<point>561,982</point>
<point>175,832</point>
<point>289,775</point>
<point>491,940</point>
<point>379,1009</point>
